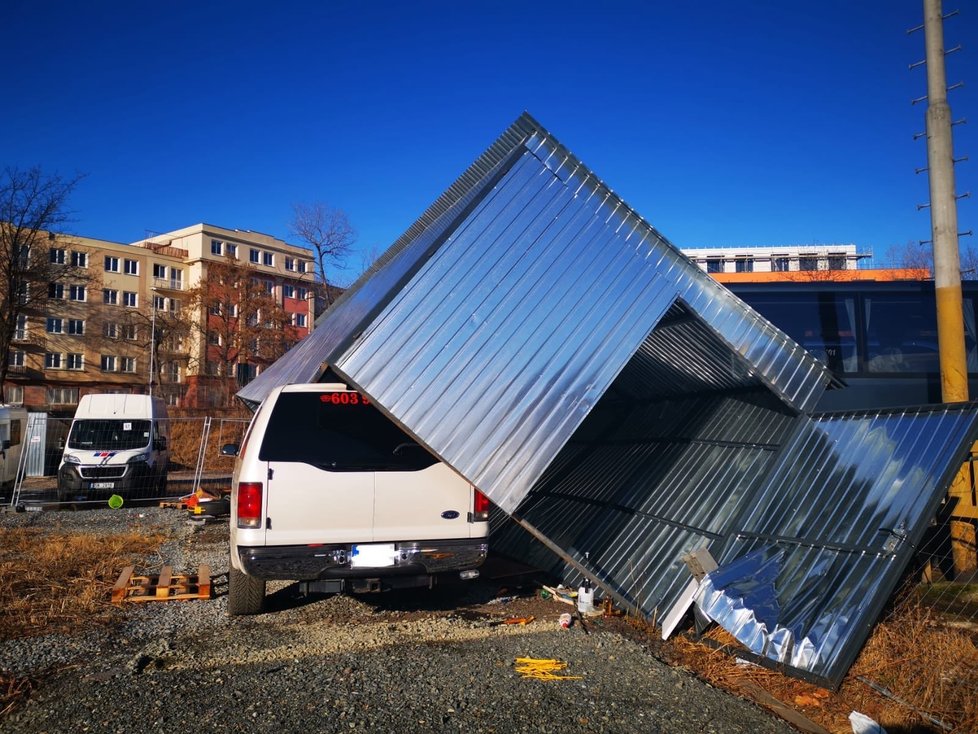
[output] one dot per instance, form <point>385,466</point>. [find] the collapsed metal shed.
<point>540,337</point>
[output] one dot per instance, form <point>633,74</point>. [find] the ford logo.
<point>449,514</point>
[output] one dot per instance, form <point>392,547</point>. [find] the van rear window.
<point>338,432</point>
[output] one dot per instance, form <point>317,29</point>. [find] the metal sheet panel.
<point>505,338</point>
<point>839,516</point>
<point>645,481</point>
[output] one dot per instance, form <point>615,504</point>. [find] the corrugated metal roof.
<point>846,505</point>
<point>835,505</point>
<point>546,342</point>
<point>507,334</point>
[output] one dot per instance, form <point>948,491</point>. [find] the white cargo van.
<point>117,445</point>
<point>13,423</point>
<point>329,492</point>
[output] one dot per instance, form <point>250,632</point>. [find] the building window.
<point>20,331</point>
<point>253,256</point>
<point>128,364</point>
<point>171,371</point>
<point>268,258</point>
<point>290,263</point>
<point>744,265</point>
<point>301,293</point>
<point>76,293</point>
<point>131,267</point>
<point>214,309</point>
<point>52,361</point>
<point>108,363</point>
<point>714,264</point>
<point>269,286</point>
<point>79,259</point>
<point>808,262</point>
<point>76,327</point>
<point>176,279</point>
<point>159,271</point>
<point>54,326</point>
<point>14,394</point>
<point>111,264</point>
<point>780,263</point>
<point>300,319</point>
<point>302,266</point>
<point>110,296</point>
<point>16,358</point>
<point>130,332</point>
<point>837,261</point>
<point>231,249</point>
<point>234,311</point>
<point>217,247</point>
<point>57,256</point>
<point>62,396</point>
<point>288,291</point>
<point>56,290</point>
<point>129,299</point>
<point>214,338</point>
<point>111,330</point>
<point>174,305</point>
<point>76,361</point>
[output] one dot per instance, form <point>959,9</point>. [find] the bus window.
<point>901,334</point>
<point>823,323</point>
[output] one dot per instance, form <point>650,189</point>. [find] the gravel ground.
<point>403,661</point>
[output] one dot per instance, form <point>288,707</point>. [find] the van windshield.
<point>112,435</point>
<point>338,432</point>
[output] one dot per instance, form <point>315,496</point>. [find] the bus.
<point>880,340</point>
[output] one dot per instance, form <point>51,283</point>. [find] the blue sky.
<point>723,123</point>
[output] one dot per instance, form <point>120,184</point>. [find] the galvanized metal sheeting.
<point>508,334</point>
<point>847,504</point>
<point>551,346</point>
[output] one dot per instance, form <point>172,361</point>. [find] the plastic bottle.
<point>565,620</point>
<point>585,598</point>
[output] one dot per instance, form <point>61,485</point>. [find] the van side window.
<point>15,432</point>
<point>338,431</point>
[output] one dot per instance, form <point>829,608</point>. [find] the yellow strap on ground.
<point>543,669</point>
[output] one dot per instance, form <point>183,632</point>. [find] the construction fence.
<point>130,460</point>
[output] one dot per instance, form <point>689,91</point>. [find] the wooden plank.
<point>121,584</point>
<point>204,582</point>
<point>792,716</point>
<point>163,583</point>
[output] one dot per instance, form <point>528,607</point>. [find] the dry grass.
<point>931,667</point>
<point>13,692</point>
<point>60,583</point>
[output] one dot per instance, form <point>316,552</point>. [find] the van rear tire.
<point>246,594</point>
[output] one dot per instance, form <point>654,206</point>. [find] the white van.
<point>13,424</point>
<point>329,492</point>
<point>117,445</point>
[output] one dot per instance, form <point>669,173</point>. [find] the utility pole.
<point>944,214</point>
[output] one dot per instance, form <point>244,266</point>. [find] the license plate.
<point>377,555</point>
<point>103,485</point>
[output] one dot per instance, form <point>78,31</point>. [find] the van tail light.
<point>249,504</point>
<point>480,507</point>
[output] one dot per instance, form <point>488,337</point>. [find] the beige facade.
<point>96,332</point>
<point>782,258</point>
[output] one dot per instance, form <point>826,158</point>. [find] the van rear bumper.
<point>307,563</point>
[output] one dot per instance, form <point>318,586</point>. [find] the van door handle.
<point>270,473</point>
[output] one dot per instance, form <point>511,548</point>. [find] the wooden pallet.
<point>175,505</point>
<point>166,586</point>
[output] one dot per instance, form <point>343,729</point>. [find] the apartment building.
<point>778,259</point>
<point>112,327</point>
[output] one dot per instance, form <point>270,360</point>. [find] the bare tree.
<point>911,255</point>
<point>32,212</point>
<point>329,234</point>
<point>241,323</point>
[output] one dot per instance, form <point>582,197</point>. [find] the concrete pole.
<point>944,214</point>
